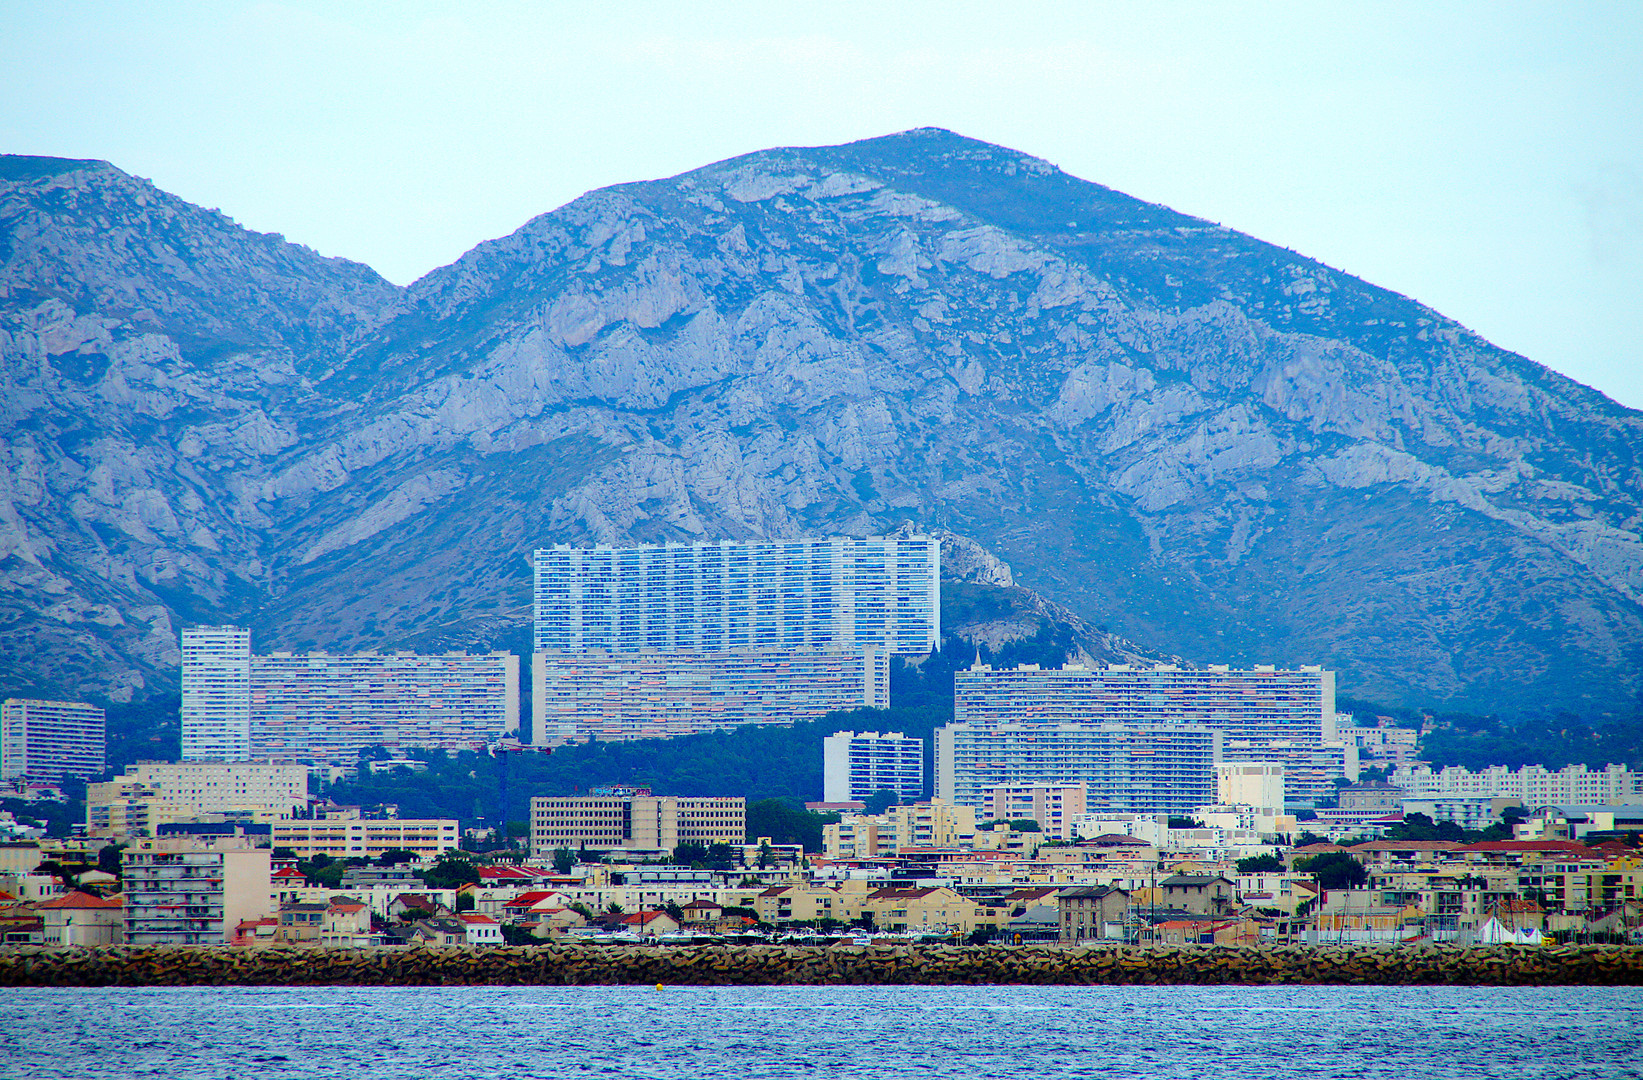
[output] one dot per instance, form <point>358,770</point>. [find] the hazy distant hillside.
<point>1189,438</point>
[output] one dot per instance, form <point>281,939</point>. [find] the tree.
<point>108,859</point>
<point>1025,825</point>
<point>1267,863</point>
<point>880,801</point>
<point>764,856</point>
<point>395,856</point>
<point>690,853</point>
<point>614,908</point>
<point>674,912</point>
<point>1334,870</point>
<point>722,856</point>
<point>518,935</point>
<point>564,859</point>
<point>787,822</point>
<point>453,870</point>
<point>465,901</point>
<point>1177,822</point>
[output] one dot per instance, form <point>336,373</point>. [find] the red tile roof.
<point>79,901</point>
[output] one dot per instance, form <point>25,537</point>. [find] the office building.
<point>216,693</point>
<point>1147,768</point>
<point>187,892</point>
<point>48,740</point>
<point>636,821</point>
<point>321,708</point>
<point>354,838</point>
<point>856,765</point>
<point>151,794</point>
<point>1053,806</point>
<point>1533,784</point>
<point>835,594</point>
<point>619,696</point>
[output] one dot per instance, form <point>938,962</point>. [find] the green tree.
<point>674,912</point>
<point>453,870</point>
<point>1334,870</point>
<point>690,853</point>
<point>395,856</point>
<point>785,821</point>
<point>564,860</point>
<point>1025,825</point>
<point>465,901</point>
<point>880,801</point>
<point>1267,863</point>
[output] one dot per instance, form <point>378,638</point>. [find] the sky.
<point>1485,159</point>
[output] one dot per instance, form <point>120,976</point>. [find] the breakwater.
<point>572,965</point>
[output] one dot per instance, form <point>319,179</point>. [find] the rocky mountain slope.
<point>1182,435</point>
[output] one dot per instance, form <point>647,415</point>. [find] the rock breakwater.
<point>718,965</point>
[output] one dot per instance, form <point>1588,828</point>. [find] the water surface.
<point>749,1033</point>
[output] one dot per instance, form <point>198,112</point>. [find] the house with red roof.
<point>649,923</point>
<point>78,918</point>
<point>482,929</point>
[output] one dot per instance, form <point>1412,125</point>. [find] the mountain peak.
<point>22,168</point>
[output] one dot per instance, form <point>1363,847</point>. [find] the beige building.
<point>1256,784</point>
<point>343,838</point>
<point>151,794</point>
<point>859,836</point>
<point>79,918</point>
<point>190,892</point>
<point>930,911</point>
<point>1053,806</point>
<point>936,823</point>
<point>635,821</point>
<point>1086,912</point>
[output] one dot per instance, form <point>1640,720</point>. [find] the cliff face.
<point>1186,437</point>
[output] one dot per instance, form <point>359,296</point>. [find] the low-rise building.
<point>482,929</point>
<point>1090,913</point>
<point>80,919</point>
<point>342,838</point>
<point>635,820</point>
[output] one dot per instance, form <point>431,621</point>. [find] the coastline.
<point>773,965</point>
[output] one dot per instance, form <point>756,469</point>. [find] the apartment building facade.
<point>344,838</point>
<point>187,893</point>
<point>1535,785</point>
<point>635,821</point>
<point>856,765</point>
<point>1145,768</point>
<point>615,697</point>
<point>833,594</point>
<point>323,708</point>
<point>1053,806</point>
<point>48,740</point>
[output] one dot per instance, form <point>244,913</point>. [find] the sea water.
<point>968,1032</point>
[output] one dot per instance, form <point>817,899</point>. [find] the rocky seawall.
<point>776,965</point>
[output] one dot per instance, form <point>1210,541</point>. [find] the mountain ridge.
<point>1221,449</point>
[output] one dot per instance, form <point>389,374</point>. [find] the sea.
<point>748,1033</point>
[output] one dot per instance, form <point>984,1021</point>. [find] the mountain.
<point>1183,436</point>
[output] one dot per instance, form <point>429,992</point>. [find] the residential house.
<point>649,923</point>
<point>1086,912</point>
<point>1199,894</point>
<point>482,929</point>
<point>79,918</point>
<point>930,910</point>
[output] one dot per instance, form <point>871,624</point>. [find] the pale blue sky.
<point>1486,159</point>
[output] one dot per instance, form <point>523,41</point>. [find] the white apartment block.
<point>1053,806</point>
<point>635,822</point>
<point>834,594</point>
<point>1536,786</point>
<point>48,740</point>
<point>185,892</point>
<point>1148,768</point>
<point>856,765</point>
<point>1254,707</point>
<point>352,838</point>
<point>216,685</point>
<point>1258,785</point>
<point>321,708</point>
<point>618,696</point>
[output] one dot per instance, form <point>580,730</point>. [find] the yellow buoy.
<point>658,986</point>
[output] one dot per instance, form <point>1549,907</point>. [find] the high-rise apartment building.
<point>1147,768</point>
<point>216,684</point>
<point>857,765</point>
<point>618,696</point>
<point>635,821</point>
<point>837,594</point>
<point>48,740</point>
<point>322,707</point>
<point>1263,714</point>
